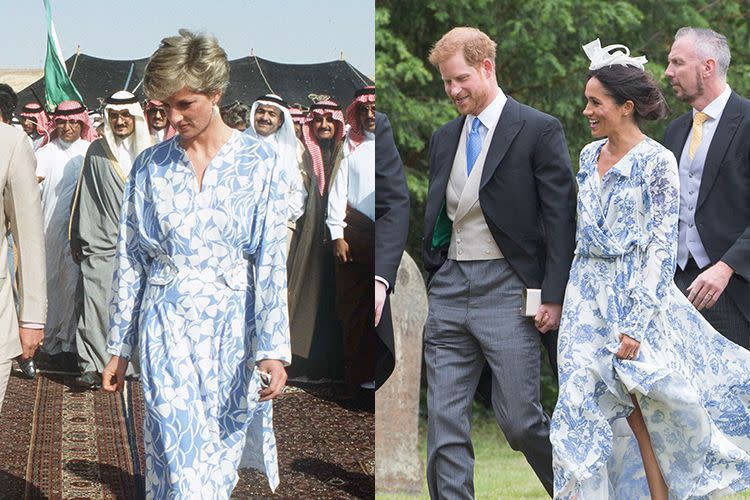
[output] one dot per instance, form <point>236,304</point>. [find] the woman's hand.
<point>113,375</point>
<point>628,348</point>
<point>275,368</point>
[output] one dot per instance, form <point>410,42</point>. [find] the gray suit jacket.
<point>21,210</point>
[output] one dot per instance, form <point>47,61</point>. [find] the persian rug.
<point>60,442</point>
<point>57,441</point>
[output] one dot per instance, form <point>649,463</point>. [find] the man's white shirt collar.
<point>491,114</point>
<point>716,107</point>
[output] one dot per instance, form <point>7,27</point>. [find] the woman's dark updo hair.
<point>628,83</point>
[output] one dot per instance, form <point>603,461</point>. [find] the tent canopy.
<point>249,78</point>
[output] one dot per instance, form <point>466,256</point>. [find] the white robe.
<point>60,164</point>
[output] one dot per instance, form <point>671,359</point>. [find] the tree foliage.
<point>539,61</point>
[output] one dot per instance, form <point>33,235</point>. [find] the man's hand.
<point>30,340</point>
<point>548,317</point>
<point>379,300</point>
<point>706,289</point>
<point>278,378</point>
<point>341,250</point>
<point>629,347</point>
<point>113,375</point>
<point>76,253</point>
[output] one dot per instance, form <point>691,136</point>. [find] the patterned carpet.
<point>58,442</point>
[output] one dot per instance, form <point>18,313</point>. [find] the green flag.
<point>57,84</point>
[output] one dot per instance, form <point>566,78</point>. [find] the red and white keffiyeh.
<point>299,115</point>
<point>311,142</point>
<point>37,114</point>
<point>356,134</point>
<point>73,110</point>
<point>153,103</point>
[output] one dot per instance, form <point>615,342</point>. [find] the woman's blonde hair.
<point>195,61</point>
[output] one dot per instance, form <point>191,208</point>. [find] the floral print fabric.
<point>693,385</point>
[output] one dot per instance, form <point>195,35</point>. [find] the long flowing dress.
<point>201,282</point>
<point>692,384</point>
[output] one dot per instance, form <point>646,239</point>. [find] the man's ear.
<point>709,68</point>
<point>487,67</point>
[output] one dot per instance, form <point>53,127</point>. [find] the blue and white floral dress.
<point>201,285</point>
<point>693,385</point>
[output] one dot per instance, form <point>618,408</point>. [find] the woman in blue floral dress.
<point>201,284</point>
<point>653,402</point>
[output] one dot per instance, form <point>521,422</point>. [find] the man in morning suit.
<point>499,218</point>
<point>712,146</point>
<point>391,229</point>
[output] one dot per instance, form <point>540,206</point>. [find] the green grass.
<point>499,472</point>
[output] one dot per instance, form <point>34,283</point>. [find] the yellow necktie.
<point>698,120</point>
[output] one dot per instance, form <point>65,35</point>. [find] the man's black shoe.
<point>89,380</point>
<point>27,367</point>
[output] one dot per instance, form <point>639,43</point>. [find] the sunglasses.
<point>72,123</point>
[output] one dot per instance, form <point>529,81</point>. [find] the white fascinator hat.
<point>615,54</point>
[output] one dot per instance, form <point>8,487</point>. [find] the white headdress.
<point>126,150</point>
<point>286,149</point>
<point>601,57</point>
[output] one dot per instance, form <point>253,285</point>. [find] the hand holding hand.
<point>379,300</point>
<point>548,317</point>
<point>278,378</point>
<point>113,375</point>
<point>706,289</point>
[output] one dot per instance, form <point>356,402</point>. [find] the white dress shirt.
<point>355,183</point>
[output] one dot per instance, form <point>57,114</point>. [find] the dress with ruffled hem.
<point>692,384</point>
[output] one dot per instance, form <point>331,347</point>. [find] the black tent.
<point>250,77</point>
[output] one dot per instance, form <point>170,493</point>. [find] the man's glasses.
<point>366,109</point>
<point>69,123</point>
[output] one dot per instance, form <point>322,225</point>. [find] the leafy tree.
<point>539,61</point>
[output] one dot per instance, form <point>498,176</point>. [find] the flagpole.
<point>130,75</point>
<point>136,87</point>
<point>78,53</point>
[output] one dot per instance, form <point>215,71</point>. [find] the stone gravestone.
<point>397,465</point>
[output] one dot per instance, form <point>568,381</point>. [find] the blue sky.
<point>288,31</point>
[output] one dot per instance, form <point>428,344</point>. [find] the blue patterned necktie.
<point>473,145</point>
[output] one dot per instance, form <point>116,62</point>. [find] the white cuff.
<point>33,326</point>
<point>337,232</point>
<point>383,281</point>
